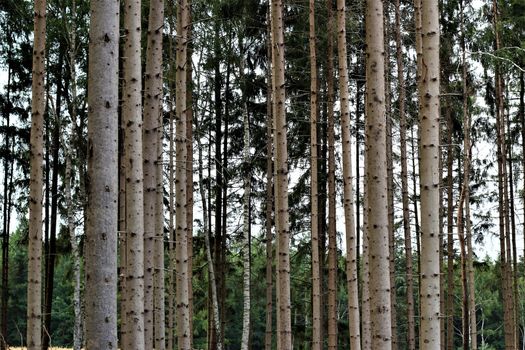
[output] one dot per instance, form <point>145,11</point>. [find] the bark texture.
<point>332,235</point>
<point>101,230</point>
<point>314,198</point>
<point>428,88</point>
<point>376,179</point>
<point>181,230</point>
<point>284,326</point>
<point>38,104</point>
<point>154,321</point>
<point>132,115</point>
<point>348,195</point>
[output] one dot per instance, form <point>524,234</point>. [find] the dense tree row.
<point>245,174</point>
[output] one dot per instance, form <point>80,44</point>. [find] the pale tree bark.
<point>390,174</point>
<point>245,339</point>
<point>428,88</point>
<point>411,333</point>
<point>376,179</point>
<point>450,234</point>
<point>365,295</point>
<point>284,327</point>
<point>182,294</point>
<point>154,320</point>
<point>38,104</point>
<point>269,191</point>
<point>348,195</point>
<point>332,235</point>
<point>189,171</point>
<point>101,227</point>
<point>314,197</point>
<point>132,115</point>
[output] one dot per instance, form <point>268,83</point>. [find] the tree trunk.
<point>34,275</point>
<point>390,175</point>
<point>411,334</point>
<point>428,87</point>
<point>101,238</point>
<point>189,171</point>
<point>171,178</point>
<point>182,294</point>
<point>348,196</point>
<point>522,121</point>
<point>133,145</point>
<point>450,233</point>
<point>332,234</point>
<point>365,303</point>
<point>376,179</point>
<point>246,214</point>
<point>269,191</point>
<point>154,320</point>
<point>284,328</point>
<point>317,321</point>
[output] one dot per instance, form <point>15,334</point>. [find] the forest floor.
<point>50,348</point>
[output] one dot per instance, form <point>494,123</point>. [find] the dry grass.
<point>51,348</point>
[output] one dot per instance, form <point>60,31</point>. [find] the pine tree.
<point>34,274</point>
<point>284,328</point>
<point>101,237</point>
<point>428,88</point>
<point>348,195</point>
<point>376,178</point>
<point>316,273</point>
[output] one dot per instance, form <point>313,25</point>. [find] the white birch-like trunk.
<point>132,115</point>
<point>34,273</point>
<point>101,226</point>
<point>428,88</point>
<point>348,192</point>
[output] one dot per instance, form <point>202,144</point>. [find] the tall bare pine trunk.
<point>101,230</point>
<point>348,194</point>
<point>376,179</point>
<point>428,88</point>
<point>314,198</point>
<point>284,326</point>
<point>181,225</point>
<point>38,104</point>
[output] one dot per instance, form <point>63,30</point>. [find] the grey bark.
<point>101,228</point>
